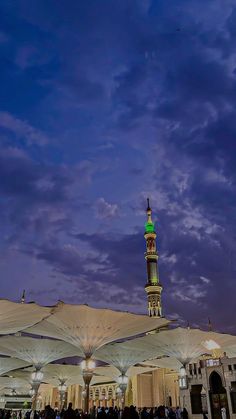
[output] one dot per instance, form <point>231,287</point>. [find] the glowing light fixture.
<point>122,380</point>
<point>31,392</point>
<point>183,382</point>
<point>37,376</point>
<point>211,345</point>
<point>62,388</point>
<point>87,364</point>
<point>149,227</point>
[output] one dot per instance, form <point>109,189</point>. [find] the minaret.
<point>23,297</point>
<point>153,287</point>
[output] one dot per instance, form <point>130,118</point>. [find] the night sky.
<point>103,103</point>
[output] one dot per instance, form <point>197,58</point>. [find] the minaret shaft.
<point>153,287</point>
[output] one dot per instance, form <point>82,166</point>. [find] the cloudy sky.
<point>103,103</point>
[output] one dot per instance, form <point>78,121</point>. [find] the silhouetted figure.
<point>126,413</point>
<point>70,413</point>
<point>102,414</point>
<point>160,412</point>
<point>172,414</point>
<point>144,413</point>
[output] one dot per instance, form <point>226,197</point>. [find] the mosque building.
<point>205,385</point>
<point>151,388</point>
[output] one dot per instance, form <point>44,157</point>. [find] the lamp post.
<point>62,392</point>
<point>87,366</point>
<point>36,379</point>
<point>123,382</point>
<point>183,379</point>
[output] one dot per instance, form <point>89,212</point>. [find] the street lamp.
<point>123,382</point>
<point>37,376</point>
<point>31,392</point>
<point>36,379</point>
<point>87,366</point>
<point>62,391</point>
<point>183,382</point>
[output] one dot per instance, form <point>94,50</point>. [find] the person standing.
<point>70,413</point>
<point>223,413</point>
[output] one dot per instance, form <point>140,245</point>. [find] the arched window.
<point>215,382</point>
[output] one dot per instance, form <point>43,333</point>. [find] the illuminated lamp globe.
<point>32,392</point>
<point>123,380</point>
<point>62,388</point>
<point>37,376</point>
<point>183,372</point>
<point>87,364</point>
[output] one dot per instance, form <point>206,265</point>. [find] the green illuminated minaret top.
<point>149,225</point>
<point>153,287</point>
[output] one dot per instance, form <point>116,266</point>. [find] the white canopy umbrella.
<point>90,328</point>
<point>17,316</point>
<point>38,352</point>
<point>9,364</point>
<point>182,344</point>
<point>60,373</point>
<point>124,355</point>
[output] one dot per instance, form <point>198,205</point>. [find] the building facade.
<point>211,388</point>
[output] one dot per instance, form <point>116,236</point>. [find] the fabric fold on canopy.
<point>15,317</point>
<point>9,364</point>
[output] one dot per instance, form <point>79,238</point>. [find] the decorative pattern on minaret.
<point>153,287</point>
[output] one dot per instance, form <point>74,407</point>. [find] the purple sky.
<point>103,103</point>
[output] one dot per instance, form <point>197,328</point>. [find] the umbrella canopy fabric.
<point>17,316</point>
<point>221,341</point>
<point>166,362</point>
<point>90,328</point>
<point>58,373</point>
<point>123,355</point>
<point>114,373</point>
<point>181,344</point>
<point>13,383</point>
<point>36,351</point>
<point>9,364</point>
<point>186,345</point>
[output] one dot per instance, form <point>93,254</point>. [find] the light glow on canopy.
<point>211,345</point>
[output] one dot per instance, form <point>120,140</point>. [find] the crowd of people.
<point>98,413</point>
